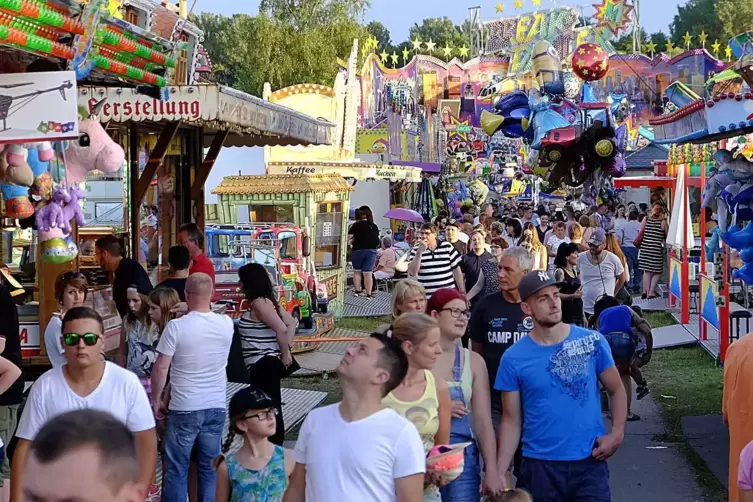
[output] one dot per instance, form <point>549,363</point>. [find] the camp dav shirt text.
<point>496,325</point>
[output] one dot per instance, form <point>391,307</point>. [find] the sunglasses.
<point>72,339</point>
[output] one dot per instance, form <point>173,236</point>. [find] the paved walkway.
<point>644,469</point>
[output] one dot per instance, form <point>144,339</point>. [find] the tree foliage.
<point>289,42</point>
<point>735,16</point>
<point>379,31</point>
<point>694,17</point>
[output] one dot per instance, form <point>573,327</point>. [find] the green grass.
<point>659,319</point>
<point>365,324</point>
<point>687,382</point>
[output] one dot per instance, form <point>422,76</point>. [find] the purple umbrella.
<point>403,214</point>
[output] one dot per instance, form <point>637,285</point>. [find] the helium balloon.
<point>547,67</point>
<point>590,62</point>
<point>572,85</point>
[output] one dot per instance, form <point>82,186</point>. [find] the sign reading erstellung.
<point>186,103</point>
<point>38,107</point>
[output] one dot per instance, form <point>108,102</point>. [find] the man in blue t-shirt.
<point>553,375</point>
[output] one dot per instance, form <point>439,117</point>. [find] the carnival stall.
<point>715,126</point>
<point>106,86</point>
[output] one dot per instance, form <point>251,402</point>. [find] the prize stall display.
<point>99,88</point>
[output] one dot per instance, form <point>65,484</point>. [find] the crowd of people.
<point>504,343</point>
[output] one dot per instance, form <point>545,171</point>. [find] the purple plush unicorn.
<point>72,209</point>
<point>51,215</point>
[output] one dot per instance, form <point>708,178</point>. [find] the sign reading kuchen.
<point>348,170</point>
<point>216,106</point>
<point>38,107</point>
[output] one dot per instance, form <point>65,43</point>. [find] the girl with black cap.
<point>259,470</point>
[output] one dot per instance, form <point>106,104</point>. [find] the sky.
<point>398,16</point>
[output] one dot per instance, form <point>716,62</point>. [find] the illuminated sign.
<point>517,36</point>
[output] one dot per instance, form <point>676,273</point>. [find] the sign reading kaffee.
<point>347,170</point>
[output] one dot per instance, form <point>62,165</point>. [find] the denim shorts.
<point>622,345</point>
<point>363,259</point>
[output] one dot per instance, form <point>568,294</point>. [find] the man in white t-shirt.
<point>356,449</point>
<point>194,348</point>
<point>86,381</point>
<point>558,238</point>
<point>601,272</point>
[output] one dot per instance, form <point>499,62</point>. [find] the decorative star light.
<point>416,44</point>
<point>613,14</point>
<point>384,56</point>
<point>702,38</point>
<point>113,9</point>
<point>518,4</point>
<point>536,2</point>
<point>715,47</point>
<point>406,53</point>
<point>651,47</point>
<point>464,126</point>
<point>447,51</point>
<point>463,51</point>
<point>394,58</point>
<point>687,39</point>
<point>728,52</point>
<point>430,45</point>
<point>499,8</point>
<point>670,47</point>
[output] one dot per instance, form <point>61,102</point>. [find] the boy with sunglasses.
<point>86,381</point>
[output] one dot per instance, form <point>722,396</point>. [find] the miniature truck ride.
<point>281,248</point>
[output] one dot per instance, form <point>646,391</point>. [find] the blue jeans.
<point>184,429</point>
<point>636,276</point>
<point>577,481</point>
<point>466,487</point>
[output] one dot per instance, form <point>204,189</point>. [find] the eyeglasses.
<point>458,313</point>
<point>594,246</point>
<point>495,248</point>
<point>72,339</point>
<point>262,415</point>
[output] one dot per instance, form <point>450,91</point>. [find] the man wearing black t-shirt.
<point>179,261</point>
<point>498,321</point>
<point>126,272</point>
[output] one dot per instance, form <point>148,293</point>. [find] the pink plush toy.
<point>94,150</point>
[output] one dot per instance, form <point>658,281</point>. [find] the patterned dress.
<point>266,485</point>
<point>653,254</point>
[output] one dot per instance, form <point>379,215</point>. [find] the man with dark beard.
<point>551,375</point>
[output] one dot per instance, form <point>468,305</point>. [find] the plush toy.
<point>41,188</point>
<point>53,224</point>
<point>23,166</point>
<point>52,215</point>
<point>94,150</point>
<point>72,209</point>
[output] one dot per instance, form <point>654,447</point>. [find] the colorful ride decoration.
<point>90,37</point>
<point>579,144</point>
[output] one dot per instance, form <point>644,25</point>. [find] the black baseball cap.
<point>534,282</point>
<point>250,398</point>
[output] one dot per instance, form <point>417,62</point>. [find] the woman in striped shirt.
<point>266,333</point>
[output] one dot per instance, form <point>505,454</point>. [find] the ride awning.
<point>251,121</point>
